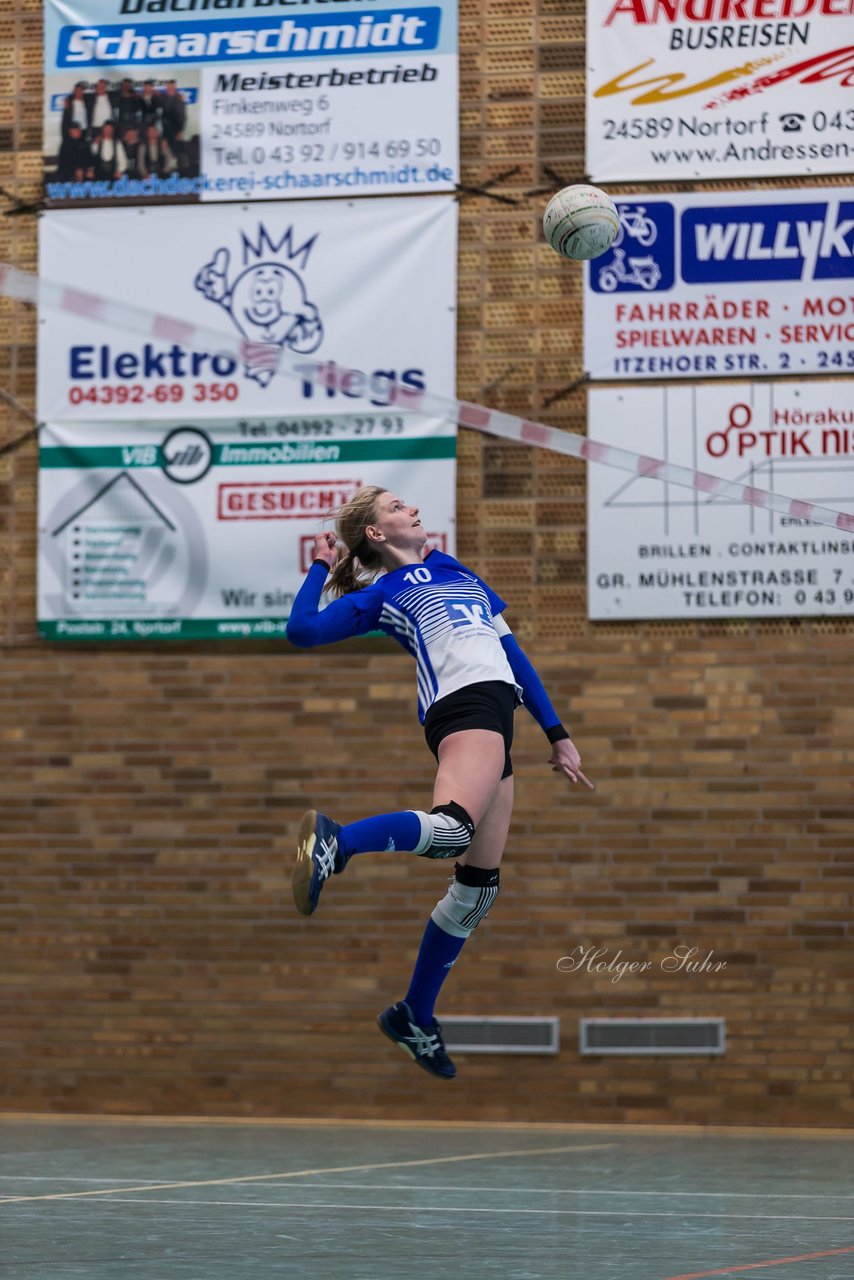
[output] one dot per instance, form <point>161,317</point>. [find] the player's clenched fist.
<point>326,549</point>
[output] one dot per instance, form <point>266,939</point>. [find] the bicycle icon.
<point>636,223</point>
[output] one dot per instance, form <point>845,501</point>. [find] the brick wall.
<point>151,959</point>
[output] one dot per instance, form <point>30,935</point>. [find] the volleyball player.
<point>471,675</point>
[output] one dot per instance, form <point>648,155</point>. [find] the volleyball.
<point>581,222</point>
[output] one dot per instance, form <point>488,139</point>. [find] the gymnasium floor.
<point>160,1200</point>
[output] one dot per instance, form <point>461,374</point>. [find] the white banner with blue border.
<point>153,100</point>
<point>718,284</point>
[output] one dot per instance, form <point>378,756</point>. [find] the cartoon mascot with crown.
<point>267,302</point>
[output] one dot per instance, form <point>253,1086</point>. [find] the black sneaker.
<point>424,1044</point>
<point>318,857</point>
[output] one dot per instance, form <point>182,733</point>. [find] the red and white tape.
<point>47,294</point>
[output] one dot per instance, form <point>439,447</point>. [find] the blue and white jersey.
<point>439,611</point>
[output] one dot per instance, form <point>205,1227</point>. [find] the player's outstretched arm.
<point>352,615</point>
<point>565,757</point>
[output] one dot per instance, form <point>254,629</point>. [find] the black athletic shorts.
<point>490,704</point>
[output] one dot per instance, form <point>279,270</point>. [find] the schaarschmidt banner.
<point>362,286</point>
<point>153,100</point>
<point>717,284</point>
<point>719,88</point>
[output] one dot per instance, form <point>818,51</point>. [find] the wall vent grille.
<point>501,1035</point>
<point>661,1036</point>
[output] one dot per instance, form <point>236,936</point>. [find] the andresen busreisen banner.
<point>172,530</point>
<point>719,88</point>
<point>367,285</point>
<point>248,99</point>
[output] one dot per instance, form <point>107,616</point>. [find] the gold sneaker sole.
<point>304,868</point>
<point>405,1047</point>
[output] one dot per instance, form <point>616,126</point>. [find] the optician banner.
<point>248,100</point>
<point>719,88</point>
<point>656,551</point>
<point>722,283</point>
<point>369,285</point>
<point>179,531</point>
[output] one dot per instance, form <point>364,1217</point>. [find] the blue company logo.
<point>211,40</point>
<point>466,613</point>
<point>642,259</point>
<point>265,299</point>
<point>807,240</point>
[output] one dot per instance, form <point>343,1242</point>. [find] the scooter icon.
<point>634,222</point>
<point>643,271</point>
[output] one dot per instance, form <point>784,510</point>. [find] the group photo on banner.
<point>251,103</point>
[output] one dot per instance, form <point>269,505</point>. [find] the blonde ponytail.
<point>361,563</point>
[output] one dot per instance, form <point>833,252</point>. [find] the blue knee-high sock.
<point>436,956</point>
<point>382,833</point>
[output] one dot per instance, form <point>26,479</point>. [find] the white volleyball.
<point>581,222</point>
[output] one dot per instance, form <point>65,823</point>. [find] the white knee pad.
<point>446,831</point>
<point>469,897</point>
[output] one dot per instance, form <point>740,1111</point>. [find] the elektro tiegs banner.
<point>177,530</point>
<point>721,283</point>
<point>153,100</point>
<point>366,285</point>
<point>656,550</point>
<point>719,88</point>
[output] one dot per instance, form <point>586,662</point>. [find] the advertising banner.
<point>164,100</point>
<point>174,530</point>
<point>367,285</point>
<point>660,551</point>
<point>680,89</point>
<point>718,284</point>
